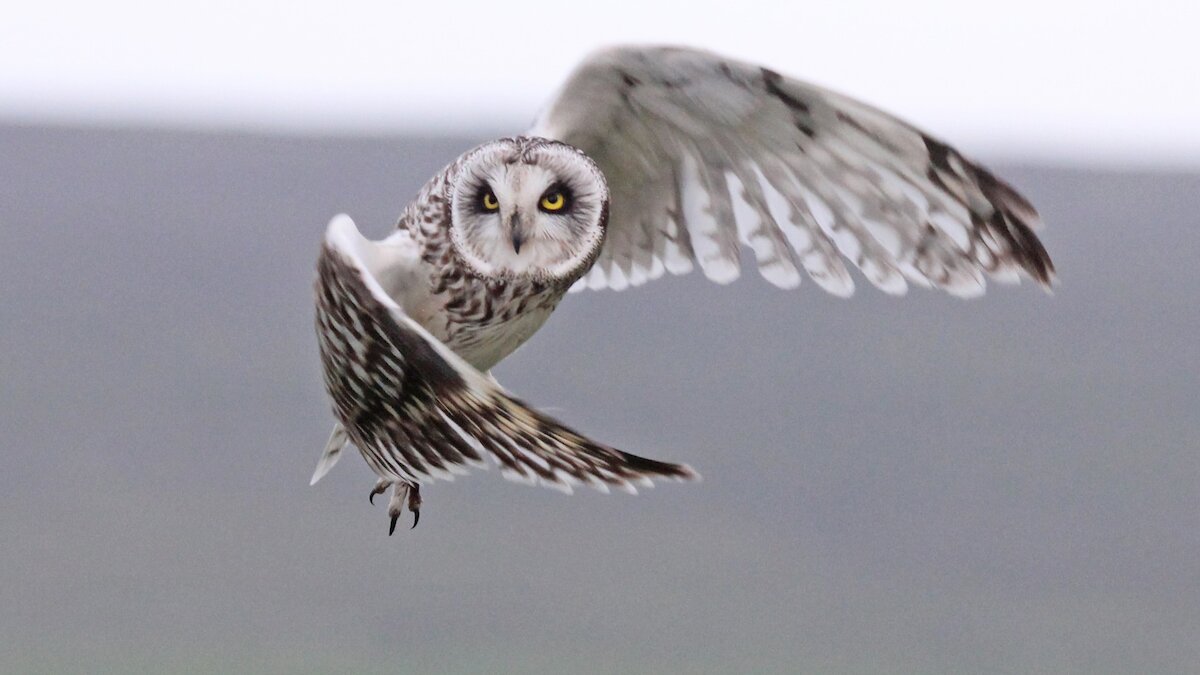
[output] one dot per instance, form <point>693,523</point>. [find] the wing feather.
<point>685,137</point>
<point>418,412</point>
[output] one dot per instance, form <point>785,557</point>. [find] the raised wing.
<point>417,411</point>
<point>704,155</point>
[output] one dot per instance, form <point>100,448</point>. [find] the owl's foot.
<point>404,492</point>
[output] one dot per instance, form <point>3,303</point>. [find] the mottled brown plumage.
<point>650,160</point>
<point>416,411</point>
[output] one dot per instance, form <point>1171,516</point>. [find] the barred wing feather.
<point>705,155</point>
<point>417,411</point>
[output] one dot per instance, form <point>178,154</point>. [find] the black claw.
<point>392,529</point>
<point>416,517</point>
<point>376,491</point>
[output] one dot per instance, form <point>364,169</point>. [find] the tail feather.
<point>332,453</point>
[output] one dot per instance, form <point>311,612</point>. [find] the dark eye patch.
<point>485,200</point>
<point>557,198</point>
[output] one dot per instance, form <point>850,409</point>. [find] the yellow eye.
<point>553,201</point>
<point>490,202</point>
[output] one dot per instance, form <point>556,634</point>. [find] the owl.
<point>649,160</point>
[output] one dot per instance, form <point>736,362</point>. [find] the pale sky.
<point>1108,81</point>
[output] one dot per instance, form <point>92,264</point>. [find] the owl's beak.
<point>518,236</point>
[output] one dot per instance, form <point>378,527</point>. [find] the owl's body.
<point>700,157</point>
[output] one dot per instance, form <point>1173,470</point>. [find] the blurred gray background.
<point>920,485</point>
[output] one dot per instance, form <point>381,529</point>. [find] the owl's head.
<point>528,208</point>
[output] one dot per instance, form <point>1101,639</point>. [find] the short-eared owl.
<point>649,160</point>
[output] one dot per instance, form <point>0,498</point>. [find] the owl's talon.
<point>396,503</point>
<point>414,503</point>
<point>381,486</point>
